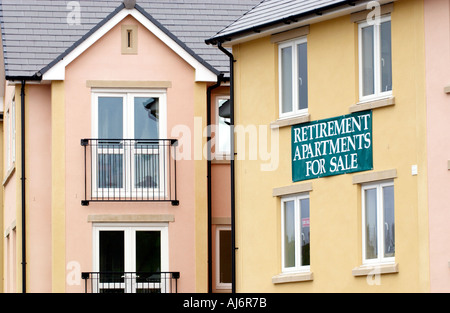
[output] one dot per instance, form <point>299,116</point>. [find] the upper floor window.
<point>295,232</point>
<point>130,155</point>
<point>375,59</point>
<point>293,79</point>
<point>378,223</point>
<point>129,115</point>
<point>222,144</point>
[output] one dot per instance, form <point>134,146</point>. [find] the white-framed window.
<point>293,77</point>
<point>223,257</point>
<point>378,223</point>
<point>130,256</point>
<point>295,233</point>
<point>375,59</point>
<point>129,114</point>
<point>222,131</point>
<point>125,160</point>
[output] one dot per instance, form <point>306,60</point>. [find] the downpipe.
<point>232,169</point>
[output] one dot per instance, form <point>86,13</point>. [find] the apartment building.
<point>106,186</point>
<point>341,87</point>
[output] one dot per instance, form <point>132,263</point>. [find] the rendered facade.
<point>104,189</point>
<point>355,202</point>
<point>334,180</point>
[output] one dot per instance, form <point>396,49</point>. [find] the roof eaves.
<point>34,77</point>
<point>218,38</point>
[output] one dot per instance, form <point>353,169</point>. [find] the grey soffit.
<point>273,12</point>
<point>36,34</point>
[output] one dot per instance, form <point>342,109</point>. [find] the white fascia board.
<point>57,72</point>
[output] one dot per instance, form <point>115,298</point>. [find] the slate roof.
<point>35,32</point>
<point>272,12</point>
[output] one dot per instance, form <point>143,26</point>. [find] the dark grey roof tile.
<point>274,11</point>
<point>36,32</point>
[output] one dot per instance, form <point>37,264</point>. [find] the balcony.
<point>130,282</point>
<point>130,170</point>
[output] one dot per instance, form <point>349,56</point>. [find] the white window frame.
<point>295,110</point>
<point>129,230</point>
<point>128,133</point>
<point>219,154</point>
<point>298,257</point>
<point>378,94</point>
<point>380,224</point>
<point>220,285</point>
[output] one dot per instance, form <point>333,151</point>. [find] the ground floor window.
<point>378,223</point>
<point>130,258</point>
<point>223,257</point>
<point>295,233</point>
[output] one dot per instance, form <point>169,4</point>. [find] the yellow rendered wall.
<point>58,187</point>
<point>201,195</point>
<point>335,202</point>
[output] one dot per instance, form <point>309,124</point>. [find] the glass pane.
<point>286,80</point>
<point>147,168</point>
<point>386,57</point>
<point>110,117</point>
<point>148,254</point>
<point>389,221</point>
<point>371,223</point>
<point>110,170</point>
<point>112,256</point>
<point>225,256</point>
<point>304,231</point>
<point>146,118</point>
<point>223,140</point>
<point>289,234</point>
<point>302,76</point>
<point>368,83</point>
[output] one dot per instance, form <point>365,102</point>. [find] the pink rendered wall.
<point>38,194</point>
<point>154,62</point>
<point>220,190</point>
<point>220,171</point>
<point>437,49</point>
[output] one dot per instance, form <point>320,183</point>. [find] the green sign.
<point>333,146</point>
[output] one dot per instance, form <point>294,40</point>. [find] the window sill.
<point>365,270</point>
<point>220,162</point>
<point>372,104</point>
<point>289,121</point>
<point>292,277</point>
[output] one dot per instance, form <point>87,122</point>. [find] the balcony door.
<point>130,258</point>
<point>128,158</point>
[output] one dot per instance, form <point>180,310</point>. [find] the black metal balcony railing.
<point>130,170</point>
<point>130,282</point>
